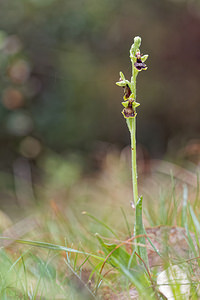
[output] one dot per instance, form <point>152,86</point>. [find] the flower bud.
<point>127,91</point>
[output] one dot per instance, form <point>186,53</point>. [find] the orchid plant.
<point>129,112</point>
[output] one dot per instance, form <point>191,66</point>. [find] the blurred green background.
<point>59,61</point>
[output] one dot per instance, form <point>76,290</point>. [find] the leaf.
<point>122,260</point>
<point>119,255</point>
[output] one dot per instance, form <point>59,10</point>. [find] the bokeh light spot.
<point>12,98</point>
<point>19,71</point>
<point>30,147</point>
<point>19,123</point>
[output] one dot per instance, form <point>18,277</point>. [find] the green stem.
<point>132,129</point>
<point>133,79</point>
<point>133,159</point>
<point>139,229</point>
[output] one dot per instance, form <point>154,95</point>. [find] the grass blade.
<point>51,247</point>
<point>100,222</point>
<point>126,221</point>
<point>184,206</point>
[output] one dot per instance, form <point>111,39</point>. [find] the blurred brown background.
<point>59,61</point>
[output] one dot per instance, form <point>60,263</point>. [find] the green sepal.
<point>122,82</point>
<point>122,76</point>
<point>134,104</point>
<point>144,57</point>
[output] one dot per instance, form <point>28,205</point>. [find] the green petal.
<point>135,104</point>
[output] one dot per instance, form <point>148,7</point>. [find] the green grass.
<point>62,257</point>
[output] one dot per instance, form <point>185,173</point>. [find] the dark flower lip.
<point>129,112</point>
<point>139,65</point>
